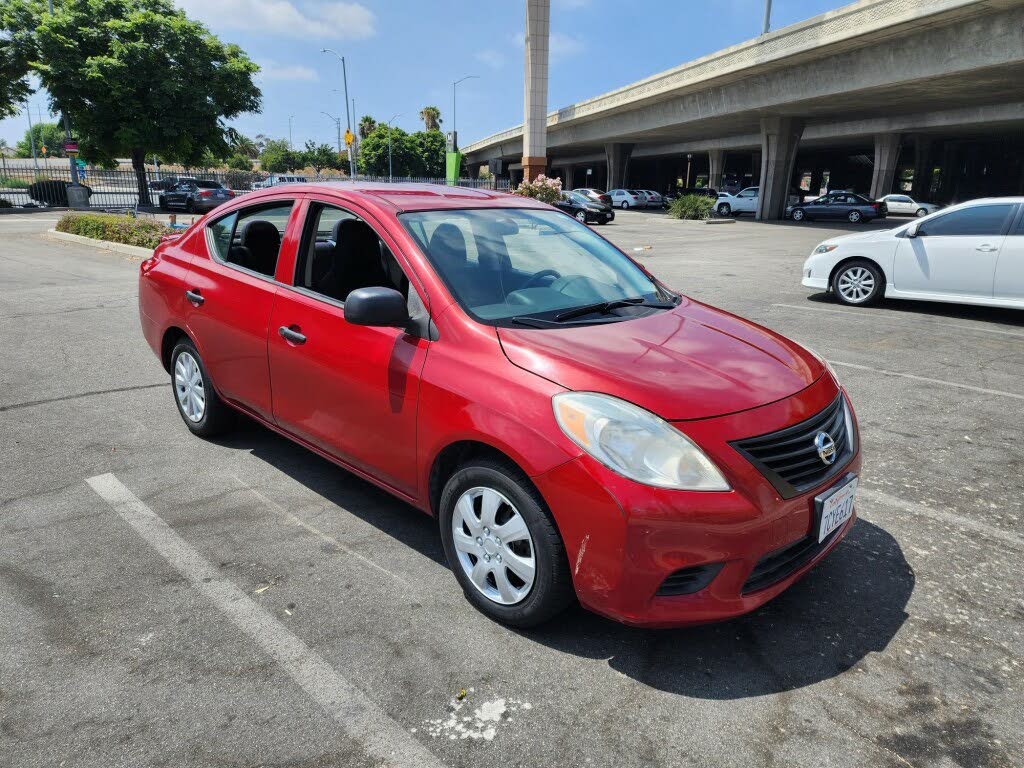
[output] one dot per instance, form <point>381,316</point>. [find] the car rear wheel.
<point>624,205</point>
<point>203,412</point>
<point>724,209</point>
<point>921,212</point>
<point>854,217</point>
<point>858,283</point>
<point>581,216</point>
<point>502,544</point>
<point>798,214</point>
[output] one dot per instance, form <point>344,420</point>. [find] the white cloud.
<point>271,70</point>
<point>308,19</point>
<point>491,57</point>
<point>560,46</point>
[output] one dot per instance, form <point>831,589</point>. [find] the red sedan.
<point>578,429</point>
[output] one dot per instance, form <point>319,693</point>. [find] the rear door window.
<point>255,238</point>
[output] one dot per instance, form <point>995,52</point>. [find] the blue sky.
<point>404,54</point>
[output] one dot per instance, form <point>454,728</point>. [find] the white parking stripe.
<point>946,517</point>
<point>856,315</point>
<point>943,382</point>
<point>359,718</point>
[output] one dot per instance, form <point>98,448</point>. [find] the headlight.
<point>824,248</point>
<point>635,443</point>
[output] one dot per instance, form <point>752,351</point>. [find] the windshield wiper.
<point>603,307</point>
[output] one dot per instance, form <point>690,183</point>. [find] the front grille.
<point>689,580</point>
<point>789,458</point>
<point>777,565</point>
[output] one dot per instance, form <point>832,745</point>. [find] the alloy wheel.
<point>854,217</point>
<point>188,385</point>
<point>581,216</point>
<point>856,284</point>
<point>494,546</point>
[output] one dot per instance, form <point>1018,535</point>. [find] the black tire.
<point>724,209</point>
<point>190,206</point>
<point>798,214</point>
<point>855,217</point>
<point>624,205</point>
<point>217,417</point>
<point>552,590</point>
<point>162,203</point>
<point>581,216</point>
<point>878,280</point>
<point>920,212</point>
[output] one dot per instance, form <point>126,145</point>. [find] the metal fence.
<point>22,185</point>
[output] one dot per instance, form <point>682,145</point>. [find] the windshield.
<point>531,267</point>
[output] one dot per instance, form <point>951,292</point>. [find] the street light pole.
<point>31,136</point>
<point>767,16</point>
<point>337,124</point>
<point>389,145</point>
<point>455,122</point>
<point>348,118</point>
<point>290,145</point>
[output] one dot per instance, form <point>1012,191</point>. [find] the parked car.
<point>850,206</point>
<point>972,253</point>
<point>197,195</point>
<point>905,205</point>
<point>578,429</point>
<point>584,209</point>
<point>274,180</point>
<point>598,195</point>
<point>654,199</point>
<point>166,182</point>
<point>627,198</point>
<point>744,201</point>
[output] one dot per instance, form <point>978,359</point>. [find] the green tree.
<point>320,156</point>
<point>241,144</point>
<point>367,125</point>
<point>134,76</point>
<point>431,117</point>
<point>276,157</point>
<point>49,135</point>
<point>239,163</point>
<point>405,155</point>
<point>431,146</point>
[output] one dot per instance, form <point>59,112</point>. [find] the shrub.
<point>697,207</point>
<point>129,230</point>
<point>542,188</point>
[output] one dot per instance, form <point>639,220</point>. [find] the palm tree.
<point>367,125</point>
<point>241,144</point>
<point>431,117</point>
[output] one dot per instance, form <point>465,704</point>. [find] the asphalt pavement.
<point>169,601</point>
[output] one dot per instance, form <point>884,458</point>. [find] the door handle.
<point>986,248</point>
<point>195,297</point>
<point>291,336</point>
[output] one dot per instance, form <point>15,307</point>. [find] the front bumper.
<point>624,539</point>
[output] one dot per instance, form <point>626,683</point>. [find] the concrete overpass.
<point>880,95</point>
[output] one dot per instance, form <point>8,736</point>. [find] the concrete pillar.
<point>618,156</point>
<point>570,177</point>
<point>716,167</point>
<point>887,154</point>
<point>922,168</point>
<point>535,90</point>
<point>780,137</point>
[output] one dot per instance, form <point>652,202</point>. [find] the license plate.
<point>836,508</point>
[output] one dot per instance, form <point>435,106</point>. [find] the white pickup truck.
<point>744,201</point>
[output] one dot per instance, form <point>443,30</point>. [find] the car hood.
<point>691,362</point>
<point>874,235</point>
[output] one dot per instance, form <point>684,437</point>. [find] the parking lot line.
<point>856,315</point>
<point>943,382</point>
<point>360,719</point>
<point>317,532</point>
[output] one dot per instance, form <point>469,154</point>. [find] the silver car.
<point>905,205</point>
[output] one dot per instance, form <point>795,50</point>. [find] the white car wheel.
<point>921,212</point>
<point>624,205</point>
<point>858,283</point>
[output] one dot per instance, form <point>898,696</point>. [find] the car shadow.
<point>1011,317</point>
<point>850,605</point>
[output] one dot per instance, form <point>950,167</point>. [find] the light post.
<point>290,118</point>
<point>337,124</point>
<point>67,135</point>
<point>455,124</point>
<point>31,136</point>
<point>348,119</point>
<point>689,159</point>
<point>389,144</point>
<point>767,16</point>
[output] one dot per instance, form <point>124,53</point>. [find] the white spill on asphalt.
<point>481,724</point>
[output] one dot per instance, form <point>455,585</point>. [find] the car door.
<point>1008,284</point>
<point>230,295</point>
<point>954,254</point>
<point>818,208</point>
<point>173,197</point>
<point>350,390</point>
<point>746,201</point>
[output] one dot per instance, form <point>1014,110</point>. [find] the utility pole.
<point>348,118</point>
<point>389,145</point>
<point>290,145</point>
<point>767,16</point>
<point>31,136</point>
<point>337,124</point>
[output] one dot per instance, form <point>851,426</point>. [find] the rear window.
<point>206,184</point>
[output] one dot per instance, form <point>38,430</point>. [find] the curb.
<point>103,245</point>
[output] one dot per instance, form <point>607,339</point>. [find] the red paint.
<point>384,403</point>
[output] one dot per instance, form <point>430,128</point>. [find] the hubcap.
<point>494,546</point>
<point>856,284</point>
<point>188,385</point>
<point>854,216</point>
<point>581,216</point>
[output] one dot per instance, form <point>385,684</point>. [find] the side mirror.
<point>912,231</point>
<point>381,307</point>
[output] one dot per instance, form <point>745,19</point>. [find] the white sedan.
<point>654,199</point>
<point>905,205</point>
<point>628,198</point>
<point>744,201</point>
<point>972,253</point>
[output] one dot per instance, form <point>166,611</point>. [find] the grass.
<point>113,228</point>
<point>12,183</point>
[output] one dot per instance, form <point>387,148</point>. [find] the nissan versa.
<point>577,428</point>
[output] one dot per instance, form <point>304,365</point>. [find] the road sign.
<point>43,149</point>
<point>71,146</point>
<point>349,137</point>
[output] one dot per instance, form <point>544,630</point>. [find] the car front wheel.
<point>854,217</point>
<point>581,216</point>
<point>724,209</point>
<point>203,412</point>
<point>502,544</point>
<point>798,214</point>
<point>858,283</point>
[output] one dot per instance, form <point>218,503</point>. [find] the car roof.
<point>405,197</point>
